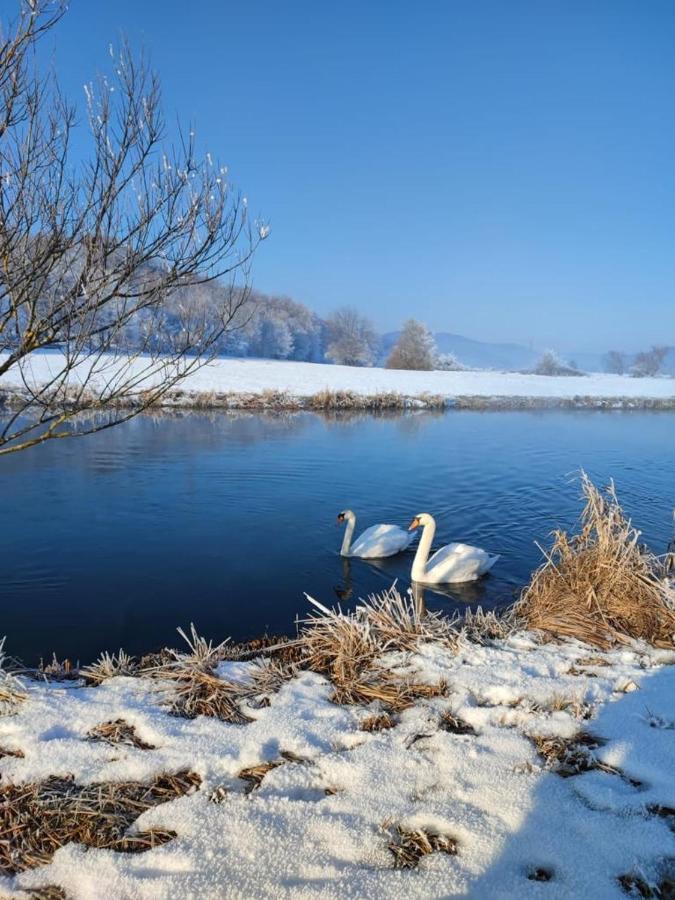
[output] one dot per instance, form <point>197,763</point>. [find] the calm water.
<point>225,521</point>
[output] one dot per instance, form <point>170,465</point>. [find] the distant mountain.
<point>476,354</point>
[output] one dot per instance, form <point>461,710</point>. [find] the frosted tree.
<point>351,339</point>
<point>649,362</point>
<point>415,348</point>
<point>550,364</point>
<point>100,257</point>
<point>281,328</point>
<point>615,362</point>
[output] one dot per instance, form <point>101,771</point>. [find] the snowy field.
<point>250,376</point>
<point>319,825</point>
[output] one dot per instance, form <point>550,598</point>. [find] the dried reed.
<point>346,646</point>
<point>36,819</point>
<point>600,586</point>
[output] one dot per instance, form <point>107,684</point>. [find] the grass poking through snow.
<point>408,846</point>
<point>37,819</point>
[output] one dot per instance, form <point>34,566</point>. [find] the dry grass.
<point>108,665</point>
<point>57,670</point>
<point>571,756</point>
<point>380,722</point>
<point>11,689</point>
<point>600,586</point>
<point>47,892</point>
<point>7,751</point>
<point>118,732</point>
<point>455,724</point>
<point>253,775</point>
<point>197,690</point>
<point>346,647</point>
<point>409,846</point>
<point>481,627</point>
<point>37,819</point>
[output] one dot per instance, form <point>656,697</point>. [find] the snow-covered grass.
<point>453,793</point>
<point>244,380</point>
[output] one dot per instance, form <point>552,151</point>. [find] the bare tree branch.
<point>105,261</point>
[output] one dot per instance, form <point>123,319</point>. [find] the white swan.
<point>375,542</point>
<point>451,564</point>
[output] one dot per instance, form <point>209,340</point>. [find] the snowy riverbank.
<point>470,771</point>
<point>282,384</point>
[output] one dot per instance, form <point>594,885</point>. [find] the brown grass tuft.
<point>345,647</point>
<point>197,690</point>
<point>571,756</point>
<point>600,586</point>
<point>409,846</point>
<point>36,819</point>
<point>108,665</point>
<point>6,751</point>
<point>455,725</point>
<point>254,775</point>
<point>377,723</point>
<point>11,689</point>
<point>118,732</point>
<point>47,892</point>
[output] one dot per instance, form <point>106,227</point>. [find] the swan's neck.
<point>347,539</point>
<point>419,565</point>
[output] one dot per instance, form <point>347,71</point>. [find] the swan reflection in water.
<point>345,590</point>
<point>467,593</point>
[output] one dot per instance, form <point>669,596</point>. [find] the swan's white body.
<point>375,542</point>
<point>451,564</point>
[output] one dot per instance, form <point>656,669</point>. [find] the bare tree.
<point>649,362</point>
<point>615,362</point>
<point>99,260</point>
<point>415,348</point>
<point>351,339</point>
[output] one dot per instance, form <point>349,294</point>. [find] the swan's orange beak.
<point>414,524</point>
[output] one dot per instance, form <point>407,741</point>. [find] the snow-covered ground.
<point>253,376</point>
<point>512,818</point>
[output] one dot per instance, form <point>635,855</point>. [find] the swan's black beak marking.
<point>414,524</point>
<point>340,518</point>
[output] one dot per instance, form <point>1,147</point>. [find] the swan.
<point>375,542</point>
<point>453,563</point>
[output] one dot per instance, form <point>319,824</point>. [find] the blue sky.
<point>504,170</point>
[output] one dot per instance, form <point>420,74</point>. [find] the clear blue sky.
<point>505,170</point>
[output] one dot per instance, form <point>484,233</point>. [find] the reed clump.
<point>346,647</point>
<point>196,688</point>
<point>38,818</point>
<point>600,586</point>
<point>109,665</point>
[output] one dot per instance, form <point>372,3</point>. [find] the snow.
<point>289,839</point>
<point>299,379</point>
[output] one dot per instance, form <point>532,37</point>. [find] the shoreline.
<point>334,401</point>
